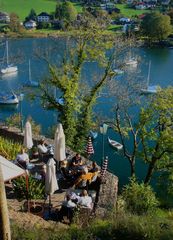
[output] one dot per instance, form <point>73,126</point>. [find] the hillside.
<point>23,7</point>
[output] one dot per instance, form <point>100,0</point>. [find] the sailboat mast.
<point>29,71</point>
<point>148,77</point>
<point>7,51</point>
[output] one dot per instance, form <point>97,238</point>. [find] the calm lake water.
<point>25,49</point>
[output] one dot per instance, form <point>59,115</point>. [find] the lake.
<point>25,49</point>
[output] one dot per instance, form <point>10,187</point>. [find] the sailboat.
<point>150,89</point>
<point>31,83</point>
<point>9,69</point>
<point>9,98</point>
<point>131,61</point>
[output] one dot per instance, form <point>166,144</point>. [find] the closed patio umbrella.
<point>28,143</point>
<point>89,147</point>
<point>59,143</point>
<point>51,184</point>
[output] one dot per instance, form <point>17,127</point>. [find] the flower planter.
<point>35,208</point>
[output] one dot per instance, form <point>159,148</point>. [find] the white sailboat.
<point>9,98</point>
<point>150,89</point>
<point>31,83</point>
<point>131,61</point>
<point>9,69</point>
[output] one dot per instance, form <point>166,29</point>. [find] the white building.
<point>30,24</point>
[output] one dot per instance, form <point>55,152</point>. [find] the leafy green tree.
<point>157,133</point>
<point>156,26</point>
<point>15,25</point>
<point>65,11</point>
<point>76,114</point>
<point>32,15</point>
<point>151,135</point>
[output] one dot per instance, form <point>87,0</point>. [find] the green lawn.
<point>79,7</point>
<point>128,12</point>
<point>23,7</point>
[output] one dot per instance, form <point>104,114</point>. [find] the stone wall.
<point>107,191</point>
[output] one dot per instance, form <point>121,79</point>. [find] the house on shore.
<point>43,17</point>
<point>4,17</point>
<point>31,24</point>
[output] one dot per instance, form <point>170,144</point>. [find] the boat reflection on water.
<point>8,108</point>
<point>9,76</point>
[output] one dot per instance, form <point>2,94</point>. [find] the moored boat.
<point>9,67</point>
<point>9,99</point>
<point>115,144</point>
<point>93,134</point>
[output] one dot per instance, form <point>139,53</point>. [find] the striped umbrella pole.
<point>104,168</point>
<point>89,148</point>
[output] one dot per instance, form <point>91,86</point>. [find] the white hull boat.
<point>9,68</point>
<point>115,144</point>
<point>9,99</point>
<point>132,62</point>
<point>118,71</point>
<point>93,134</point>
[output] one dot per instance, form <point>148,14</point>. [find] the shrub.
<point>9,149</point>
<point>139,198</point>
<point>35,189</point>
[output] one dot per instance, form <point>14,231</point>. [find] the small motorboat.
<point>9,99</point>
<point>93,134</point>
<point>115,144</point>
<point>150,90</point>
<point>132,62</point>
<point>118,71</point>
<point>60,101</point>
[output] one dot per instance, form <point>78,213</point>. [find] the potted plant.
<point>34,191</point>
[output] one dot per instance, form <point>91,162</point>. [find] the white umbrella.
<point>51,181</point>
<point>51,184</point>
<point>28,143</point>
<point>59,143</point>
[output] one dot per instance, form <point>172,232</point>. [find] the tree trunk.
<point>132,167</point>
<point>150,171</point>
<point>4,217</point>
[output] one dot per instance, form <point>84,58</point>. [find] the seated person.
<point>94,168</point>
<point>67,209</point>
<point>42,148</point>
<point>76,160</point>
<point>22,158</point>
<point>85,200</point>
<point>85,176</point>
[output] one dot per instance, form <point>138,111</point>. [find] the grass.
<point>23,7</point>
<point>129,12</point>
<point>79,7</point>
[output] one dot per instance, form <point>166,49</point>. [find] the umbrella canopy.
<point>89,147</point>
<point>28,143</point>
<point>10,170</point>
<point>59,143</point>
<point>51,184</point>
<point>104,168</point>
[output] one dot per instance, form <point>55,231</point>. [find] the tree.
<point>15,25</point>
<point>76,114</point>
<point>156,26</point>
<point>65,11</point>
<point>157,133</point>
<point>151,135</point>
<point>32,15</point>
